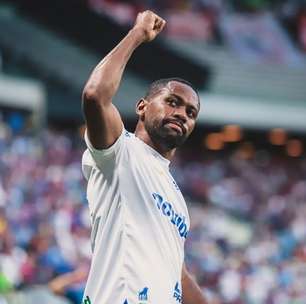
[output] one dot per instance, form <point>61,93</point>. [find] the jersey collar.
<point>163,160</point>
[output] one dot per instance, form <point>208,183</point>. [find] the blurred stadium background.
<point>243,172</point>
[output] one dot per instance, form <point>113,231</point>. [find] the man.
<point>139,216</point>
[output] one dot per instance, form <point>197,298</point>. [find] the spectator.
<point>247,238</point>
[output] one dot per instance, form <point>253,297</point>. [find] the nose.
<point>180,115</point>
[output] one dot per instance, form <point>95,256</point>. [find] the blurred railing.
<point>278,83</point>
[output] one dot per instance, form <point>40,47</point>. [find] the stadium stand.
<point>247,198</point>
<point>251,225</point>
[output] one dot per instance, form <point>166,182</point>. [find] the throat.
<point>162,149</point>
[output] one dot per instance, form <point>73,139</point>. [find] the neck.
<point>163,151</point>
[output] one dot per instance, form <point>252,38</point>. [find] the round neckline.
<point>154,152</point>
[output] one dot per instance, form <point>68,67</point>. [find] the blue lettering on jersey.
<point>143,294</point>
<point>167,210</point>
<point>177,294</point>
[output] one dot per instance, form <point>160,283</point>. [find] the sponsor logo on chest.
<point>167,209</point>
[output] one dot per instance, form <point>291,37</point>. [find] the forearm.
<point>60,283</point>
<point>105,78</point>
<point>192,293</point>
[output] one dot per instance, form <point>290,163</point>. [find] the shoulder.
<point>97,158</point>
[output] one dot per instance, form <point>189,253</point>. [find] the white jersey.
<point>139,224</point>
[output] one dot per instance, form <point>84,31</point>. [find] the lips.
<point>176,124</point>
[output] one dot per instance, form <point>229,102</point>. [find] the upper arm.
<point>103,121</point>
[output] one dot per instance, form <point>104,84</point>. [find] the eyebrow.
<point>182,100</point>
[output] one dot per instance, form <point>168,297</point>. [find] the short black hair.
<point>159,84</point>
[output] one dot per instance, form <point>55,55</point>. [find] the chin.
<point>167,137</point>
<point>174,141</point>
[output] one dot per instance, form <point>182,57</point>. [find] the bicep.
<point>103,122</point>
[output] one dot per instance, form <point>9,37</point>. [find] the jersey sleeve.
<point>93,157</point>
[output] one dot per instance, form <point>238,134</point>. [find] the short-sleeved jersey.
<point>139,224</point>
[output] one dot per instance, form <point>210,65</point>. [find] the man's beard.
<point>162,135</point>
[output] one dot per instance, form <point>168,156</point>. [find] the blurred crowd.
<point>247,242</point>
<point>44,222</point>
<point>257,30</point>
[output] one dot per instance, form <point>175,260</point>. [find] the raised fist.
<point>150,25</point>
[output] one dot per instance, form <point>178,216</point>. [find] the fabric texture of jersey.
<point>139,224</point>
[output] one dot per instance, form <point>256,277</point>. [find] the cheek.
<point>153,119</point>
<point>155,112</point>
<point>191,126</point>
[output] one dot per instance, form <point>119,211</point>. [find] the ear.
<point>141,108</point>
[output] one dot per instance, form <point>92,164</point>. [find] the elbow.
<point>90,102</point>
<point>97,94</point>
<point>90,94</point>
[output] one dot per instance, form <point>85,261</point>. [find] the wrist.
<point>138,34</point>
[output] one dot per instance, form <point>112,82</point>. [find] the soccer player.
<point>139,216</point>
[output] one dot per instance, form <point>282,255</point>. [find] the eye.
<point>191,113</point>
<point>172,102</point>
